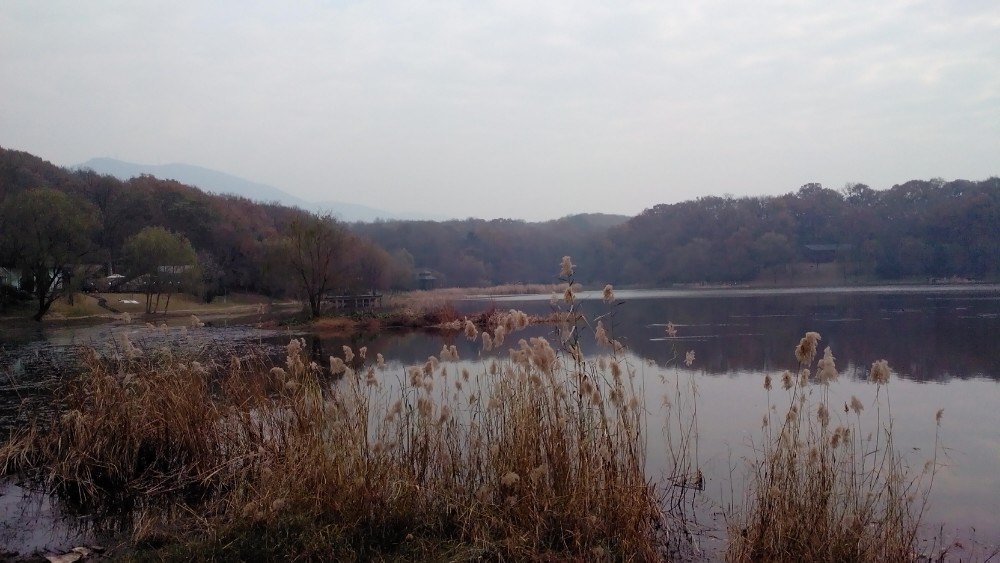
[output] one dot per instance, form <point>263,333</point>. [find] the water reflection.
<point>925,335</point>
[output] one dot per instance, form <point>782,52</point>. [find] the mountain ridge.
<point>216,181</point>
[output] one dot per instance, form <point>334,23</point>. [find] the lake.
<point>939,342</point>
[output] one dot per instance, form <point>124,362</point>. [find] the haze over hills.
<point>223,183</point>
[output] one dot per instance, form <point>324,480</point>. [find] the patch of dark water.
<point>35,523</point>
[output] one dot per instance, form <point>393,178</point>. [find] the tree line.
<point>53,219</point>
<point>916,230</point>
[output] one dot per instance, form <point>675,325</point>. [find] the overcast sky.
<point>516,109</point>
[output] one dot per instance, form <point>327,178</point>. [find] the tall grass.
<point>534,455</point>
<point>827,485</point>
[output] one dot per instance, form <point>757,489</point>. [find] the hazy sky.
<point>511,109</point>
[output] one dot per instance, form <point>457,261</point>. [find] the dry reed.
<point>532,457</point>
<point>824,487</point>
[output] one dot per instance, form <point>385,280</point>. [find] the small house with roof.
<point>426,279</point>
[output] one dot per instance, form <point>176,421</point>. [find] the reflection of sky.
<point>32,524</point>
<point>966,493</point>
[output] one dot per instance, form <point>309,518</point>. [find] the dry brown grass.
<point>83,306</point>
<point>433,298</point>
<point>341,325</point>
<point>823,486</point>
<point>139,424</point>
<point>436,308</point>
<point>450,293</point>
<point>536,456</point>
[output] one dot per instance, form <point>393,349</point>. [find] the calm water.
<point>940,342</point>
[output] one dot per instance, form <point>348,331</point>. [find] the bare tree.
<point>317,249</point>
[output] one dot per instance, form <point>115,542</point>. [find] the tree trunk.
<point>44,289</point>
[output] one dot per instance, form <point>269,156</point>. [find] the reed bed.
<point>430,299</point>
<point>828,484</point>
<point>445,294</point>
<point>540,455</point>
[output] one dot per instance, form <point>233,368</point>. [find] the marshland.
<point>503,281</point>
<point>669,430</point>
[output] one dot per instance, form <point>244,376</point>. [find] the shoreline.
<point>431,309</point>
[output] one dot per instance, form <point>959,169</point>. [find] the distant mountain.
<point>222,183</point>
<point>204,178</point>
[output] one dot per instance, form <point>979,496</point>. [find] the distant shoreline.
<point>281,312</point>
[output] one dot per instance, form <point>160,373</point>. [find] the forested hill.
<point>239,242</point>
<point>476,252</point>
<point>915,230</point>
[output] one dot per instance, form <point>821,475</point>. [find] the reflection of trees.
<point>924,339</point>
<point>924,336</point>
